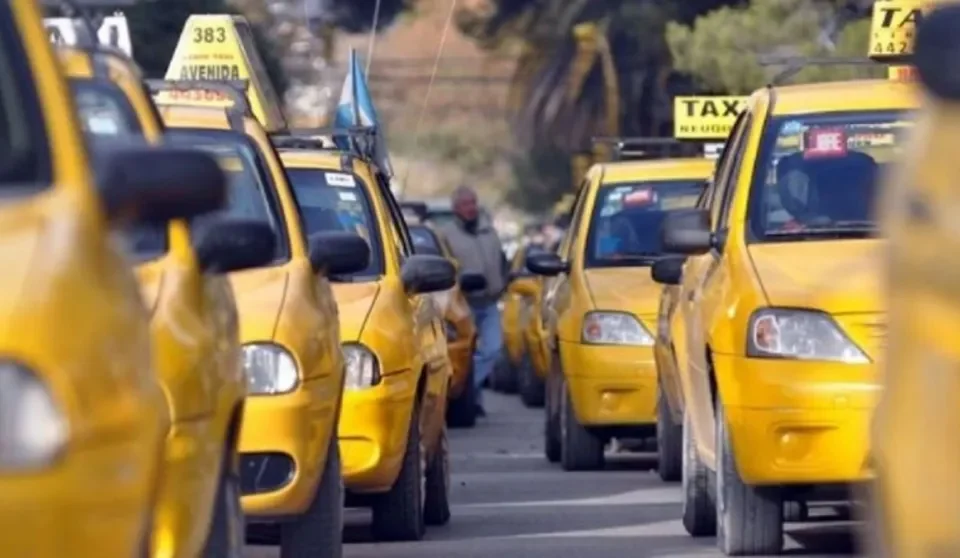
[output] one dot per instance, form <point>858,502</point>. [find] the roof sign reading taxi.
<point>113,32</point>
<point>221,48</point>
<point>705,117</point>
<point>893,26</point>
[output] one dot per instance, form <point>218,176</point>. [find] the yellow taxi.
<point>460,330</point>
<point>915,428</point>
<point>193,322</point>
<point>83,422</point>
<point>781,307</point>
<point>603,382</point>
<point>289,331</point>
<point>392,432</point>
<point>517,373</point>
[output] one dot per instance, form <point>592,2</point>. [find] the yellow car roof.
<point>657,169</point>
<point>185,116</point>
<point>311,158</point>
<point>79,63</point>
<point>842,96</point>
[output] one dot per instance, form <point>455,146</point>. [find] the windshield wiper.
<point>838,230</point>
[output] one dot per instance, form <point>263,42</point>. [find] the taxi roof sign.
<point>221,47</point>
<point>113,32</point>
<point>893,27</point>
<point>706,117</point>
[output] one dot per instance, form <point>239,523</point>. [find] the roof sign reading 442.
<point>113,32</point>
<point>893,26</point>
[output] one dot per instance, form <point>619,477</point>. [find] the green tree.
<point>722,49</point>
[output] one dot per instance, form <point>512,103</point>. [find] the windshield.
<point>336,201</point>
<point>251,193</point>
<point>625,225</point>
<point>104,110</point>
<point>424,241</point>
<point>817,175</point>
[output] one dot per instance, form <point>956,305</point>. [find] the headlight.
<point>614,328</point>
<point>451,331</point>
<point>802,335</point>
<point>270,369</point>
<point>32,427</point>
<point>363,369</point>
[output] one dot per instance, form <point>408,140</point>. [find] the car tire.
<point>749,518</point>
<point>669,441</point>
<point>226,537</point>
<point>551,425</point>
<point>795,512</point>
<point>580,449</point>
<point>531,387</point>
<point>699,508</point>
<point>436,508</point>
<point>398,513</point>
<point>462,411</point>
<point>319,531</point>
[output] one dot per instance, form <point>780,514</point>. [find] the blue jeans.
<point>489,344</point>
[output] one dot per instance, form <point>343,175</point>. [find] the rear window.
<point>625,225</point>
<point>817,176</point>
<point>337,201</point>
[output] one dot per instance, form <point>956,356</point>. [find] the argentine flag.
<point>356,109</point>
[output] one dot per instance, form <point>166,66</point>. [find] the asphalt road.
<point>508,502</point>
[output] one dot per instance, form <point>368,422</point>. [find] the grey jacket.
<point>479,252</point>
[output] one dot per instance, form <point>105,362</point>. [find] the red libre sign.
<point>824,142</point>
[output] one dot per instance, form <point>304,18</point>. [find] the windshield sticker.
<point>824,142</point>
<point>340,180</point>
<point>791,128</point>
<point>347,196</point>
<point>640,197</point>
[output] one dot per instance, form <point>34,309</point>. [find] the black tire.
<point>318,533</point>
<point>749,518</point>
<point>508,382</point>
<point>669,441</point>
<point>551,426</point>
<point>226,536</point>
<point>462,411</point>
<point>436,507</point>
<point>531,387</point>
<point>699,507</point>
<point>398,513</point>
<point>580,449</point>
<point>796,512</point>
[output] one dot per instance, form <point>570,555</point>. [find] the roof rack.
<point>361,139</point>
<point>232,89</point>
<point>622,147</point>
<point>796,64</point>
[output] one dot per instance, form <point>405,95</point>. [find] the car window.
<point>424,241</point>
<point>104,110</point>
<point>24,147</point>
<point>252,193</point>
<point>817,175</point>
<point>626,220</point>
<point>721,182</point>
<point>337,201</point>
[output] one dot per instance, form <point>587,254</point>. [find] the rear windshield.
<point>337,201</point>
<point>625,225</point>
<point>817,175</point>
<point>104,110</point>
<point>424,241</point>
<point>252,194</point>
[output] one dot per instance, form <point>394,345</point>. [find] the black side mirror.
<point>338,253</point>
<point>687,232</point>
<point>154,184</point>
<point>669,270</point>
<point>472,282</point>
<point>423,274</point>
<point>547,264</point>
<point>937,52</point>
<point>228,245</point>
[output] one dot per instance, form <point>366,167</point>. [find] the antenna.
<point>232,89</point>
<point>796,64</point>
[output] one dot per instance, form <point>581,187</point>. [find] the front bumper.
<point>611,385</point>
<point>794,422</point>
<point>373,432</point>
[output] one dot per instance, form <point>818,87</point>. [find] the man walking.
<point>477,248</point>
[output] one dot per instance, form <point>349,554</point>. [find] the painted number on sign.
<point>209,34</point>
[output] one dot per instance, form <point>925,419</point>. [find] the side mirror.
<point>687,232</point>
<point>424,274</point>
<point>937,51</point>
<point>472,282</point>
<point>338,253</point>
<point>547,264</point>
<point>669,270</point>
<point>228,245</point>
<point>156,184</point>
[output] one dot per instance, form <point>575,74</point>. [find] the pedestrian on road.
<point>477,248</point>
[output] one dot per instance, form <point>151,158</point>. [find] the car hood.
<point>836,276</point>
<point>355,301</point>
<point>628,289</point>
<point>259,294</point>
